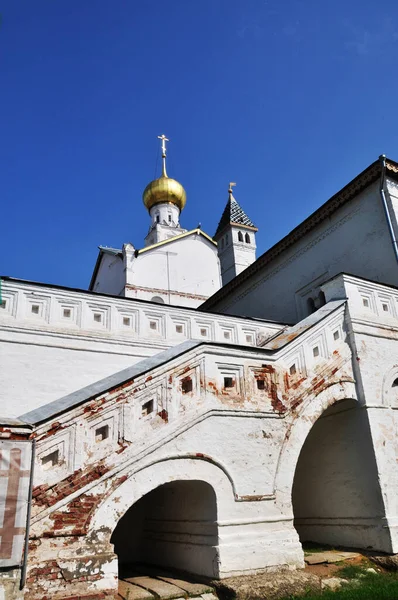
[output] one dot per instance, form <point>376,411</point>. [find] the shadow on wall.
<point>336,494</point>
<point>174,526</point>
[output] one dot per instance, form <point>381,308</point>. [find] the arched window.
<point>157,299</point>
<point>247,238</point>
<point>321,299</point>
<point>169,218</point>
<point>157,218</point>
<point>240,236</point>
<point>310,306</point>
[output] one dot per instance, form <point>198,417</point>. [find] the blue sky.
<point>289,99</point>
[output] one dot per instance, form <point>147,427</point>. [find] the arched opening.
<point>321,299</point>
<point>336,495</point>
<point>240,236</point>
<point>310,306</point>
<point>157,299</point>
<point>247,238</point>
<point>172,527</point>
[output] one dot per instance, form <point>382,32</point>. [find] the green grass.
<point>313,548</point>
<point>362,586</point>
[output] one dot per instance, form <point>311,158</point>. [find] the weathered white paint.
<point>45,354</point>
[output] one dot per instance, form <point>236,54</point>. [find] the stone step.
<point>158,587</point>
<point>129,591</point>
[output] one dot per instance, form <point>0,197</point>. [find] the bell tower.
<point>236,239</point>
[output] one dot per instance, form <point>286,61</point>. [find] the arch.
<point>157,217</point>
<point>157,299</point>
<point>139,483</point>
<point>336,496</point>
<point>297,432</point>
<point>310,305</point>
<point>321,299</point>
<point>247,238</point>
<point>173,526</point>
<point>389,390</point>
<point>240,236</point>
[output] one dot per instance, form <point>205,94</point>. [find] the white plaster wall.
<point>45,356</point>
<point>188,267</point>
<point>110,277</point>
<point>354,240</point>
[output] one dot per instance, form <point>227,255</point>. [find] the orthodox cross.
<point>164,140</point>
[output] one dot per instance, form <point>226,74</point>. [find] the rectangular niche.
<point>98,316</point>
<point>38,307</point>
<point>204,330</point>
<point>8,304</point>
<point>231,379</point>
<point>69,313</point>
<point>249,337</point>
<point>155,324</point>
<point>104,430</point>
<point>128,321</point>
<point>227,334</point>
<point>180,328</point>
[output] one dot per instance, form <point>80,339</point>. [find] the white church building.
<point>203,412</point>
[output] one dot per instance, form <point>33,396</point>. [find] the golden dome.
<point>164,189</point>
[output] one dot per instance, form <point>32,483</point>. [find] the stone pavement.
<point>150,584</point>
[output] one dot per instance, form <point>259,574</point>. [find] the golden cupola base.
<point>164,189</point>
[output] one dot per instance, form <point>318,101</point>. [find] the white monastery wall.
<point>188,267</point>
<point>354,240</point>
<point>110,276</point>
<point>54,341</point>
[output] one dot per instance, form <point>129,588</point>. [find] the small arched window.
<point>310,306</point>
<point>157,299</point>
<point>247,238</point>
<point>240,236</point>
<point>169,218</point>
<point>395,383</point>
<point>157,218</point>
<point>321,299</point>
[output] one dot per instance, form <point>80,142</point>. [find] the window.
<point>240,236</point>
<point>157,218</point>
<point>310,306</point>
<point>365,302</point>
<point>385,307</point>
<point>147,408</point>
<point>229,382</point>
<point>179,329</point>
<point>227,335</point>
<point>67,313</point>
<point>157,299</point>
<point>126,321</point>
<point>186,385</point>
<point>395,383</point>
<point>153,325</point>
<point>203,332</point>
<point>50,460</point>
<point>97,317</point>
<point>247,238</point>
<point>169,218</point>
<point>315,351</point>
<point>321,299</point>
<point>336,335</point>
<point>249,338</point>
<point>35,309</point>
<point>260,384</point>
<point>102,433</point>
<point>293,369</point>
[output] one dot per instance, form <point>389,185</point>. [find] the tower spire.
<point>164,140</point>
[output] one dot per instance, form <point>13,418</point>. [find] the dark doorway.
<point>174,526</point>
<point>336,494</point>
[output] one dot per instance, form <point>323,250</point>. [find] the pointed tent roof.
<point>233,213</point>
